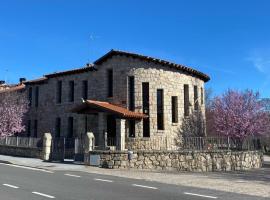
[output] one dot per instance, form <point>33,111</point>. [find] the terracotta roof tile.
<point>14,88</point>
<point>88,67</point>
<point>91,106</point>
<point>186,69</point>
<point>36,81</point>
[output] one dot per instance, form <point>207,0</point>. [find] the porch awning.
<point>92,107</point>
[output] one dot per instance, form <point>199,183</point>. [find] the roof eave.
<point>183,68</point>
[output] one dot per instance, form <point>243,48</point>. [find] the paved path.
<point>26,183</point>
<point>253,182</point>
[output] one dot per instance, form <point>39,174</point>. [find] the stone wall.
<point>21,151</point>
<point>182,160</point>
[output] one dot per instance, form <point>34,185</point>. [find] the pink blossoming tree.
<point>239,115</point>
<point>13,107</point>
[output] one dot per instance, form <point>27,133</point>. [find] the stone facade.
<point>160,75</point>
<point>200,161</point>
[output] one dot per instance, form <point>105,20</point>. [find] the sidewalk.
<point>253,182</point>
<point>37,163</point>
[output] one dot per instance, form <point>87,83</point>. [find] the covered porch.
<point>113,121</point>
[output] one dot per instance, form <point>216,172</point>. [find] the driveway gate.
<point>67,148</point>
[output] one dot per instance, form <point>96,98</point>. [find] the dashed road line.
<point>103,180</point>
<point>240,181</point>
<point>72,175</point>
<point>200,195</point>
<point>30,168</point>
<point>11,186</point>
<point>44,195</point>
<point>144,186</point>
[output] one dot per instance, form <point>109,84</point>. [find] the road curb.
<point>12,163</point>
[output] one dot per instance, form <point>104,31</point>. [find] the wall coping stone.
<point>171,151</point>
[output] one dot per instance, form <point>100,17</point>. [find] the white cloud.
<point>260,59</point>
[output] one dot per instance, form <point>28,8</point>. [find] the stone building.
<point>127,100</point>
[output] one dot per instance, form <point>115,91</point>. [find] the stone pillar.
<point>89,146</point>
<point>47,142</point>
<point>120,134</point>
<point>89,142</point>
<point>102,128</point>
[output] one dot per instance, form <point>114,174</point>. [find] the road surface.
<point>25,183</point>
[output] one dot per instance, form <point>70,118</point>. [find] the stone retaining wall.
<point>199,161</point>
<point>21,151</point>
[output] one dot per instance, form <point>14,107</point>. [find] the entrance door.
<point>111,130</point>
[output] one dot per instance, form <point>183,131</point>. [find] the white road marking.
<point>44,195</point>
<point>30,168</point>
<point>240,181</point>
<point>11,186</point>
<point>200,195</point>
<point>72,175</point>
<point>144,186</point>
<point>104,180</point>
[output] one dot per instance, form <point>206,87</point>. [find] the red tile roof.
<point>88,67</point>
<point>91,106</point>
<point>91,67</point>
<point>13,88</point>
<point>183,68</point>
<point>36,81</point>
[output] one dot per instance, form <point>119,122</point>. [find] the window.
<point>36,96</point>
<point>71,91</point>
<point>59,92</point>
<point>160,113</point>
<point>196,100</point>
<point>30,91</point>
<point>110,83</point>
<point>85,89</point>
<point>202,96</point>
<point>145,97</point>
<point>70,127</point>
<point>85,124</point>
<point>174,109</point>
<point>132,128</point>
<point>58,127</point>
<point>131,94</point>
<point>35,128</point>
<point>186,100</point>
<point>145,94</point>
<point>29,128</point>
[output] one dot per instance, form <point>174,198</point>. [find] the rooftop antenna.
<point>6,75</point>
<point>93,38</point>
<point>90,51</point>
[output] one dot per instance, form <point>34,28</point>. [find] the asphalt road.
<point>17,183</point>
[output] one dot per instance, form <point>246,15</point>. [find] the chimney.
<point>2,82</point>
<point>22,80</point>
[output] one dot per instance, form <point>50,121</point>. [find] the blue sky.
<point>229,39</point>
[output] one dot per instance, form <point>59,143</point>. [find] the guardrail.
<point>21,142</point>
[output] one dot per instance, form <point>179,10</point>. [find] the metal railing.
<point>154,143</point>
<point>220,143</point>
<point>111,141</point>
<point>194,143</point>
<point>21,142</point>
